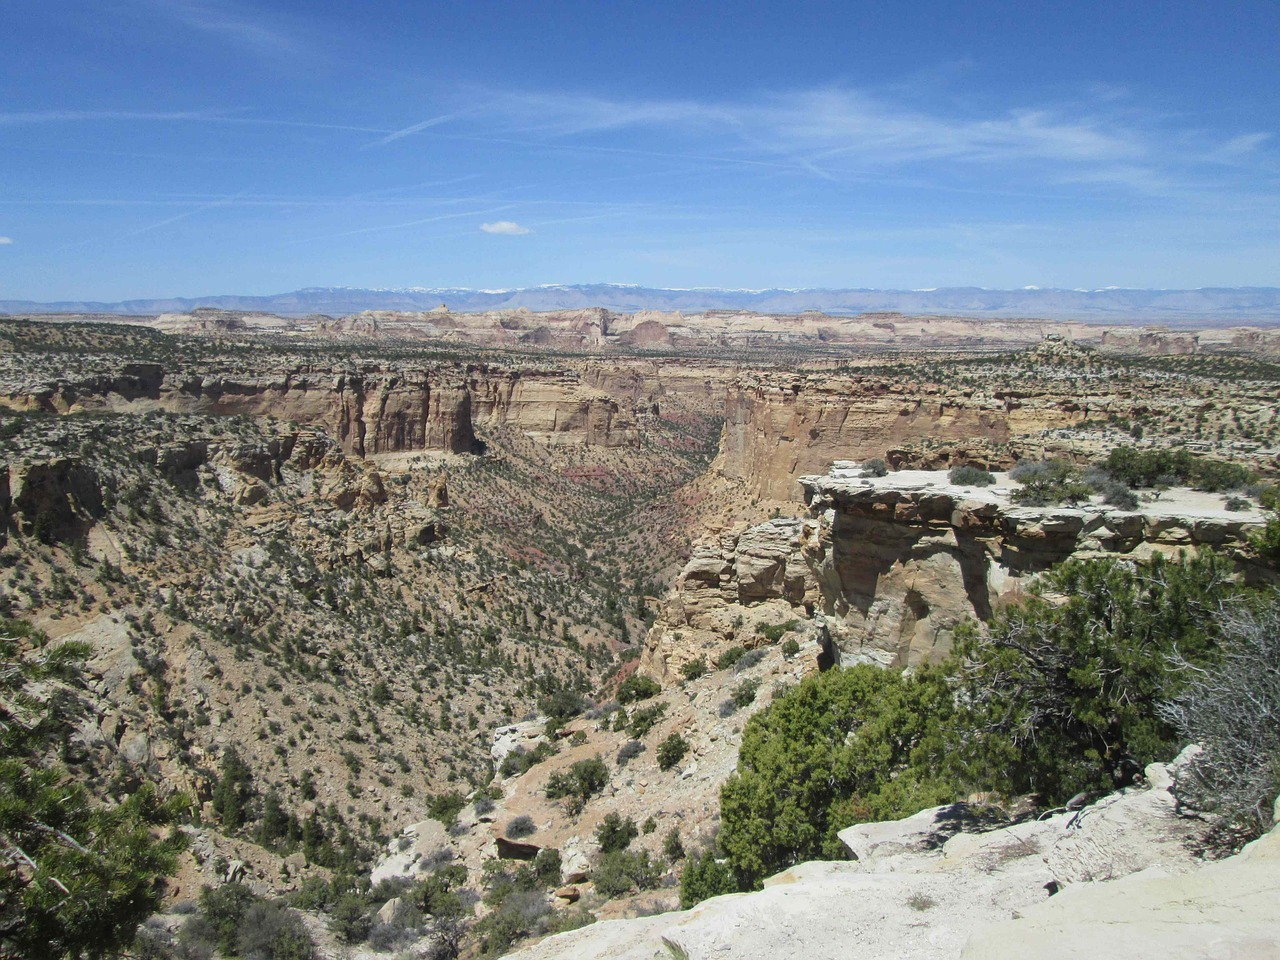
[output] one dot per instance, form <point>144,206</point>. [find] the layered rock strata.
<point>369,411</point>
<point>892,565</point>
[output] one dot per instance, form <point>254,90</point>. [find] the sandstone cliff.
<point>891,565</point>
<point>778,430</point>
<point>369,409</point>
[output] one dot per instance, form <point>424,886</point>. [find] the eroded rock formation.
<point>893,564</point>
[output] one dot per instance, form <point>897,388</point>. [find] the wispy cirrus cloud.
<point>237,23</point>
<point>839,133</point>
<point>506,228</point>
<point>833,121</point>
<point>6,241</point>
<point>17,118</point>
<point>415,128</point>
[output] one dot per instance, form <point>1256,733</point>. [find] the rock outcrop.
<point>943,884</point>
<point>891,565</point>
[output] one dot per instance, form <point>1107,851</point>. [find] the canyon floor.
<point>371,556</point>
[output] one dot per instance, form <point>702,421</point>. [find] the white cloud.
<point>5,241</point>
<point>507,228</point>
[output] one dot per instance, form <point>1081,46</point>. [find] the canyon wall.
<point>369,410</point>
<point>779,430</point>
<point>890,566</point>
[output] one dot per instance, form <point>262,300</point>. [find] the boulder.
<point>418,850</point>
<point>515,849</point>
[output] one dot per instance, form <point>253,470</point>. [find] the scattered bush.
<point>1048,482</point>
<point>350,918</point>
<point>445,807</point>
<point>520,760</point>
<point>791,647</point>
<point>521,826</point>
<point>672,848</point>
<point>616,833</point>
<point>561,705</point>
<point>875,467</point>
<point>645,719</point>
<point>1114,492</point>
<point>730,657</point>
<point>970,476</point>
<point>744,693</point>
<point>624,871</point>
<point>1150,468</point>
<point>749,659</point>
<point>579,783</point>
<point>1232,710</point>
<point>271,931</point>
<point>693,669</point>
<point>638,687</point>
<point>671,751</point>
<point>629,751</point>
<point>1236,504</point>
<point>773,632</point>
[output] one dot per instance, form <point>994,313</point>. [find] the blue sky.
<point>187,147</point>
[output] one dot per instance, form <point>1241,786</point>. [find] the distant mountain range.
<point>1206,306</point>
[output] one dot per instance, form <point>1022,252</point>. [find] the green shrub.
<point>1150,468</point>
<point>1266,542</point>
<point>616,833</point>
<point>271,931</point>
<point>773,632</point>
<point>445,807</point>
<point>672,848</point>
<point>671,751</point>
<point>840,747</point>
<point>644,719</point>
<point>579,783</point>
<point>350,918</point>
<point>744,693</point>
<point>638,687</point>
<point>1066,690</point>
<point>1048,482</point>
<point>519,760</point>
<point>693,669</point>
<point>729,657</point>
<point>624,871</point>
<point>704,877</point>
<point>790,648</point>
<point>223,908</point>
<point>969,475</point>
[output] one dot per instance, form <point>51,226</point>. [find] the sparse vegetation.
<point>671,751</point>
<point>969,475</point>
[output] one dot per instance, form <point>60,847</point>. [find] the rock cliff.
<point>368,409</point>
<point>776,431</point>
<point>891,565</point>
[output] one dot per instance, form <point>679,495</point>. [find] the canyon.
<point>372,554</point>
